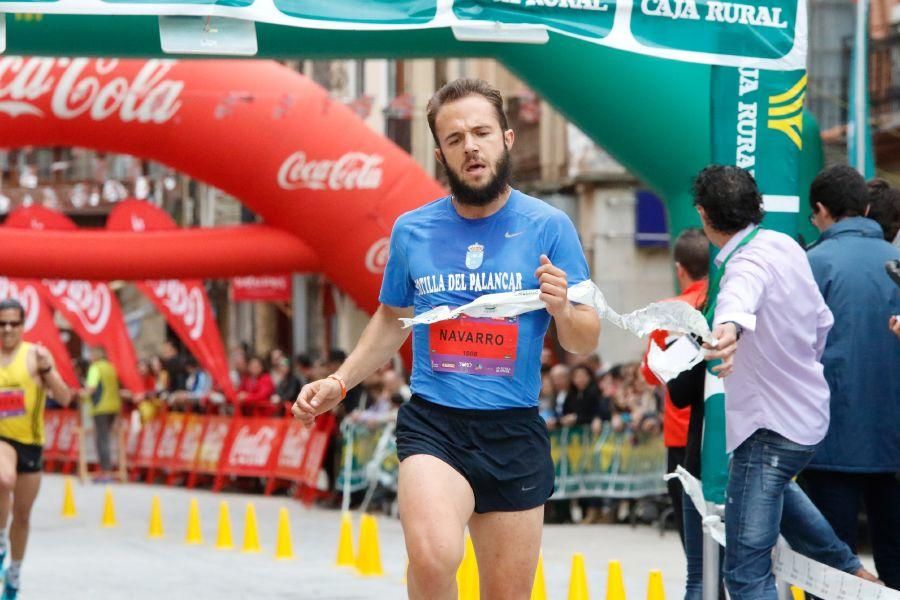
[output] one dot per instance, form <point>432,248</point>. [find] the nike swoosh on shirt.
<point>528,489</point>
<point>512,235</point>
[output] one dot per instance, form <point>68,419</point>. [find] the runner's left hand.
<point>554,287</point>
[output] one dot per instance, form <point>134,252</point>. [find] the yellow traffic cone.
<point>156,525</point>
<point>467,574</point>
<point>68,507</point>
<point>655,590</point>
<point>368,561</point>
<point>797,593</point>
<point>109,510</point>
<point>539,590</point>
<point>284,548</point>
<point>194,535</point>
<point>615,586</point>
<point>345,556</point>
<point>578,587</point>
<point>223,537</point>
<point>251,532</point>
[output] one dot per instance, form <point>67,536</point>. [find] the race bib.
<point>12,402</point>
<point>473,346</point>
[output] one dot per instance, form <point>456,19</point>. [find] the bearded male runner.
<point>473,449</point>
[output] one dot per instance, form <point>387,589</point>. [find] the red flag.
<point>39,325</point>
<point>184,303</point>
<point>90,307</point>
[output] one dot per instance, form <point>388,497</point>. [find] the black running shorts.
<point>503,454</point>
<point>29,457</point>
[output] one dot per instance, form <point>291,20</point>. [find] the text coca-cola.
<point>147,98</point>
<point>352,171</point>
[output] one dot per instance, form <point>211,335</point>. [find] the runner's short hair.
<point>463,88</point>
<point>692,253</point>
<point>13,304</point>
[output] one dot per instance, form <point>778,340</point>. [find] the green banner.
<point>768,34</point>
<point>759,29</point>
<point>374,455</point>
<point>758,125</point>
<point>589,18</point>
<point>608,465</point>
<point>405,12</point>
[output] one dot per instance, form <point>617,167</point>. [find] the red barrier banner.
<point>312,463</point>
<point>167,446</point>
<point>289,464</point>
<point>150,435</point>
<point>261,288</point>
<point>132,442</point>
<point>252,447</point>
<point>52,422</point>
<point>212,443</point>
<point>66,448</point>
<point>189,445</point>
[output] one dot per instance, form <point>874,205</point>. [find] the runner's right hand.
<point>316,398</point>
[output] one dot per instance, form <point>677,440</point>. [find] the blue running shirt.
<point>439,258</point>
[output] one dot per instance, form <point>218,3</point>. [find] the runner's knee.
<point>7,479</point>
<point>432,558</point>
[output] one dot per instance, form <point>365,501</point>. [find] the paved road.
<point>77,559</point>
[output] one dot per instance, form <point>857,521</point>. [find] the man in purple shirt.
<point>776,395</point>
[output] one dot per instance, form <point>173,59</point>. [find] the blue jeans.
<point>760,493</point>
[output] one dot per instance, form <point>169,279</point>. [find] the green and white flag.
<point>758,126</point>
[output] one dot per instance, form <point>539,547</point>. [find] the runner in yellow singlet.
<point>27,373</point>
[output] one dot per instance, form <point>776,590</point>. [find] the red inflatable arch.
<point>255,129</point>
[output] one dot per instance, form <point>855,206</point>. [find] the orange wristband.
<point>341,381</point>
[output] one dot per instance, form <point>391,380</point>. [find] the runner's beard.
<point>484,195</point>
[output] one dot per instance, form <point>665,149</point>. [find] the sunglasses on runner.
<point>10,324</point>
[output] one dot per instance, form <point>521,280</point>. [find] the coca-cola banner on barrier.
<point>168,442</point>
<point>301,153</point>
<point>90,307</point>
<point>189,446</point>
<point>184,303</point>
<point>211,444</point>
<point>150,434</point>
<point>252,448</point>
<point>261,288</point>
<point>39,327</point>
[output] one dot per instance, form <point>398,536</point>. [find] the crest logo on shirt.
<point>474,256</point>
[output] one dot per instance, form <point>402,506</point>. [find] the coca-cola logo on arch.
<point>187,304</point>
<point>79,86</point>
<point>352,171</point>
<point>27,296</point>
<point>377,255</point>
<point>91,303</point>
